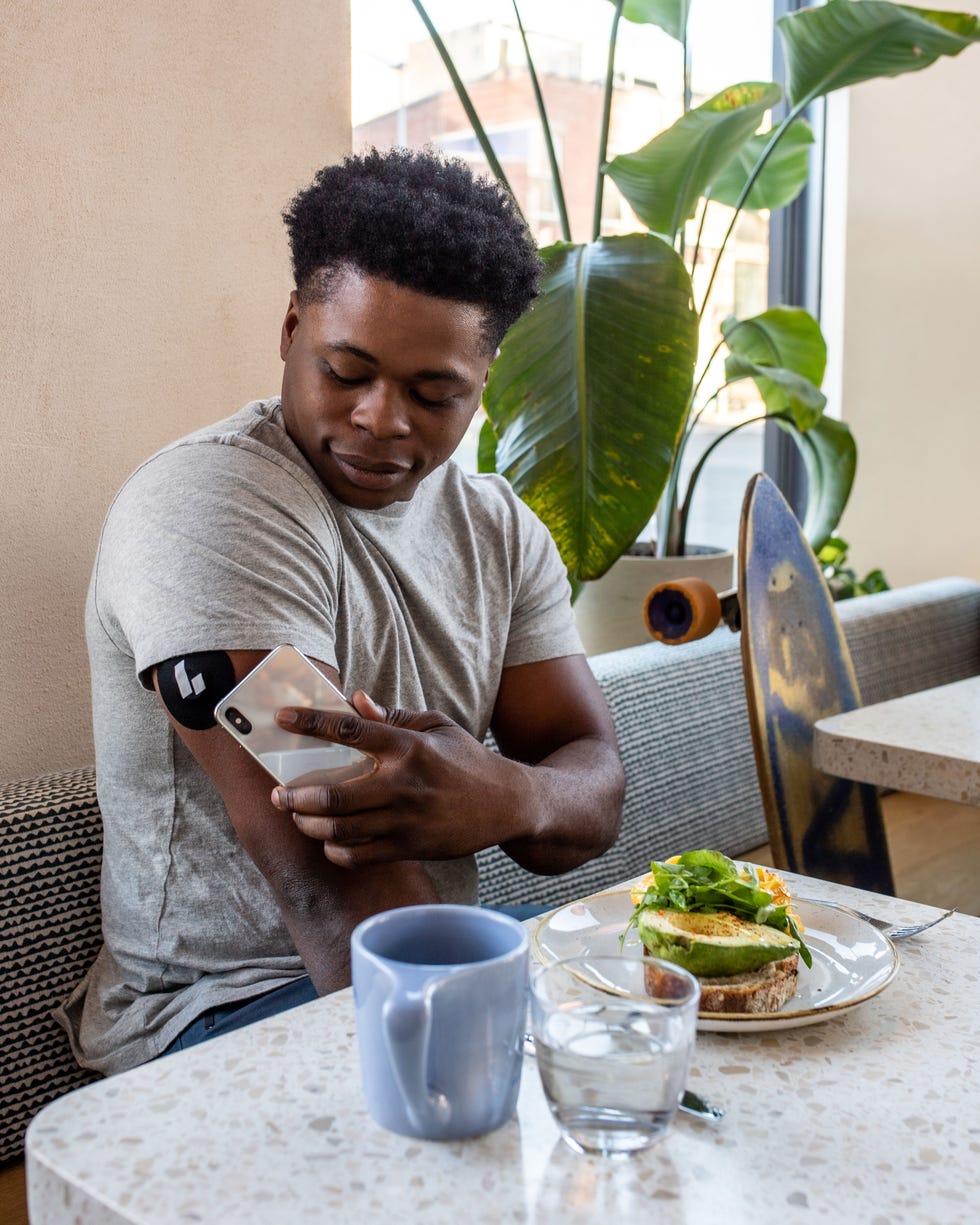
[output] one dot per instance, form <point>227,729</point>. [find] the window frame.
<point>795,257</point>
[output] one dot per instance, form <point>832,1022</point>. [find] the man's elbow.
<point>612,811</point>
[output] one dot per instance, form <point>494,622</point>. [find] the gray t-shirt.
<point>226,540</point>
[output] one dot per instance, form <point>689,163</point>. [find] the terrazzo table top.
<point>872,1116</point>
<point>927,743</point>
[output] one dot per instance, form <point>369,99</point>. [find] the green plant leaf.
<point>873,582</point>
<point>780,336</point>
<point>781,179</point>
<point>841,578</point>
<point>664,180</point>
<point>486,448</point>
<point>833,551</point>
<point>669,15</point>
<point>830,456</point>
<point>784,391</point>
<point>843,43</point>
<point>590,390</point>
<point>785,337</point>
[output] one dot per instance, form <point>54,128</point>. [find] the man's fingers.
<point>370,709</point>
<point>337,726</point>
<point>365,705</point>
<point>314,798</point>
<point>375,850</point>
<point>371,731</point>
<point>356,795</point>
<point>346,831</point>
<point>414,720</point>
<point>351,842</point>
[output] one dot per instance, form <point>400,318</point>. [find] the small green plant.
<point>841,578</point>
<point>594,397</point>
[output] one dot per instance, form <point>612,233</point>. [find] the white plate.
<point>852,961</point>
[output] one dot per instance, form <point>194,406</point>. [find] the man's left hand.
<point>436,792</point>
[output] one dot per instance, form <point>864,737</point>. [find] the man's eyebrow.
<point>448,375</point>
<point>346,347</point>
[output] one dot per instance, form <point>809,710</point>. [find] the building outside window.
<point>402,95</point>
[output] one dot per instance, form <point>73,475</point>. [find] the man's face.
<point>379,385</point>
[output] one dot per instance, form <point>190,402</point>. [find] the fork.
<point>897,931</point>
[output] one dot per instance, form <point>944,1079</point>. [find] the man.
<point>331,518</point>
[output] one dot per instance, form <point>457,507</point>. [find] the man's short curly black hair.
<point>422,221</point>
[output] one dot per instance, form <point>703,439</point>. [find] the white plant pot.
<point>609,612</point>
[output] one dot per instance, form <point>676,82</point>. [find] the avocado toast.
<point>730,924</point>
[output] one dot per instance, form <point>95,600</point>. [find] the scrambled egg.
<point>767,879</point>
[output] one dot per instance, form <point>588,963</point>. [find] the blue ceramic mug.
<point>440,993</point>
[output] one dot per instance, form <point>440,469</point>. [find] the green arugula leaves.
<point>709,882</point>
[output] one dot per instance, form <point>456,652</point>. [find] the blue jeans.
<point>525,910</point>
<point>226,1017</point>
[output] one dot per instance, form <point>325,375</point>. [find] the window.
<point>402,95</point>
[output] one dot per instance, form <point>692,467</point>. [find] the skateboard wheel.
<point>681,611</point>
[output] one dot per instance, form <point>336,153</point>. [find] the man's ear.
<point>289,325</point>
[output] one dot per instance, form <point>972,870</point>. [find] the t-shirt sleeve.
<point>216,547</point>
<point>542,624</point>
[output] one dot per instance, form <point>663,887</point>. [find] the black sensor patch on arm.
<point>192,685</point>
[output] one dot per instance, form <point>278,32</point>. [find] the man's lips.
<point>369,473</point>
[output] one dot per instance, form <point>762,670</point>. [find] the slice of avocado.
<point>712,945</point>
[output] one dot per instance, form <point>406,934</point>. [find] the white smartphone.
<point>287,678</point>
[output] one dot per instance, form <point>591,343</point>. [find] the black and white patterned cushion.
<point>50,858</point>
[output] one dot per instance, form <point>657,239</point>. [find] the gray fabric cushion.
<point>914,637</point>
<point>50,855</point>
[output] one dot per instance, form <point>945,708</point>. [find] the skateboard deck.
<point>797,669</point>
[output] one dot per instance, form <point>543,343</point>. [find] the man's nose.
<point>382,411</point>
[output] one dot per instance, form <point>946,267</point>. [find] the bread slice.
<point>764,990</point>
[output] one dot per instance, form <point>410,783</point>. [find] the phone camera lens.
<point>238,720</point>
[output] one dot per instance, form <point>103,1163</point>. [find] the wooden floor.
<point>13,1196</point>
<point>935,853</point>
<point>935,850</point>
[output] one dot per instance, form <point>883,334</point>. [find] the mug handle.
<point>406,1023</point>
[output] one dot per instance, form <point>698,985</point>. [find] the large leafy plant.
<point>594,396</point>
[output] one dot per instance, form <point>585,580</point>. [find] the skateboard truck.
<point>686,609</point>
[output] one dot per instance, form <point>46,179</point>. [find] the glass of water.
<point>613,1058</point>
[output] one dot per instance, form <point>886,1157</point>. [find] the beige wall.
<point>146,151</point>
<point>910,375</point>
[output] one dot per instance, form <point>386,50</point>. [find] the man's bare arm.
<point>320,902</point>
<point>553,716</point>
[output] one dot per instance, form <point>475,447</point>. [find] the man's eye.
<point>427,403</point>
<point>339,378</point>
